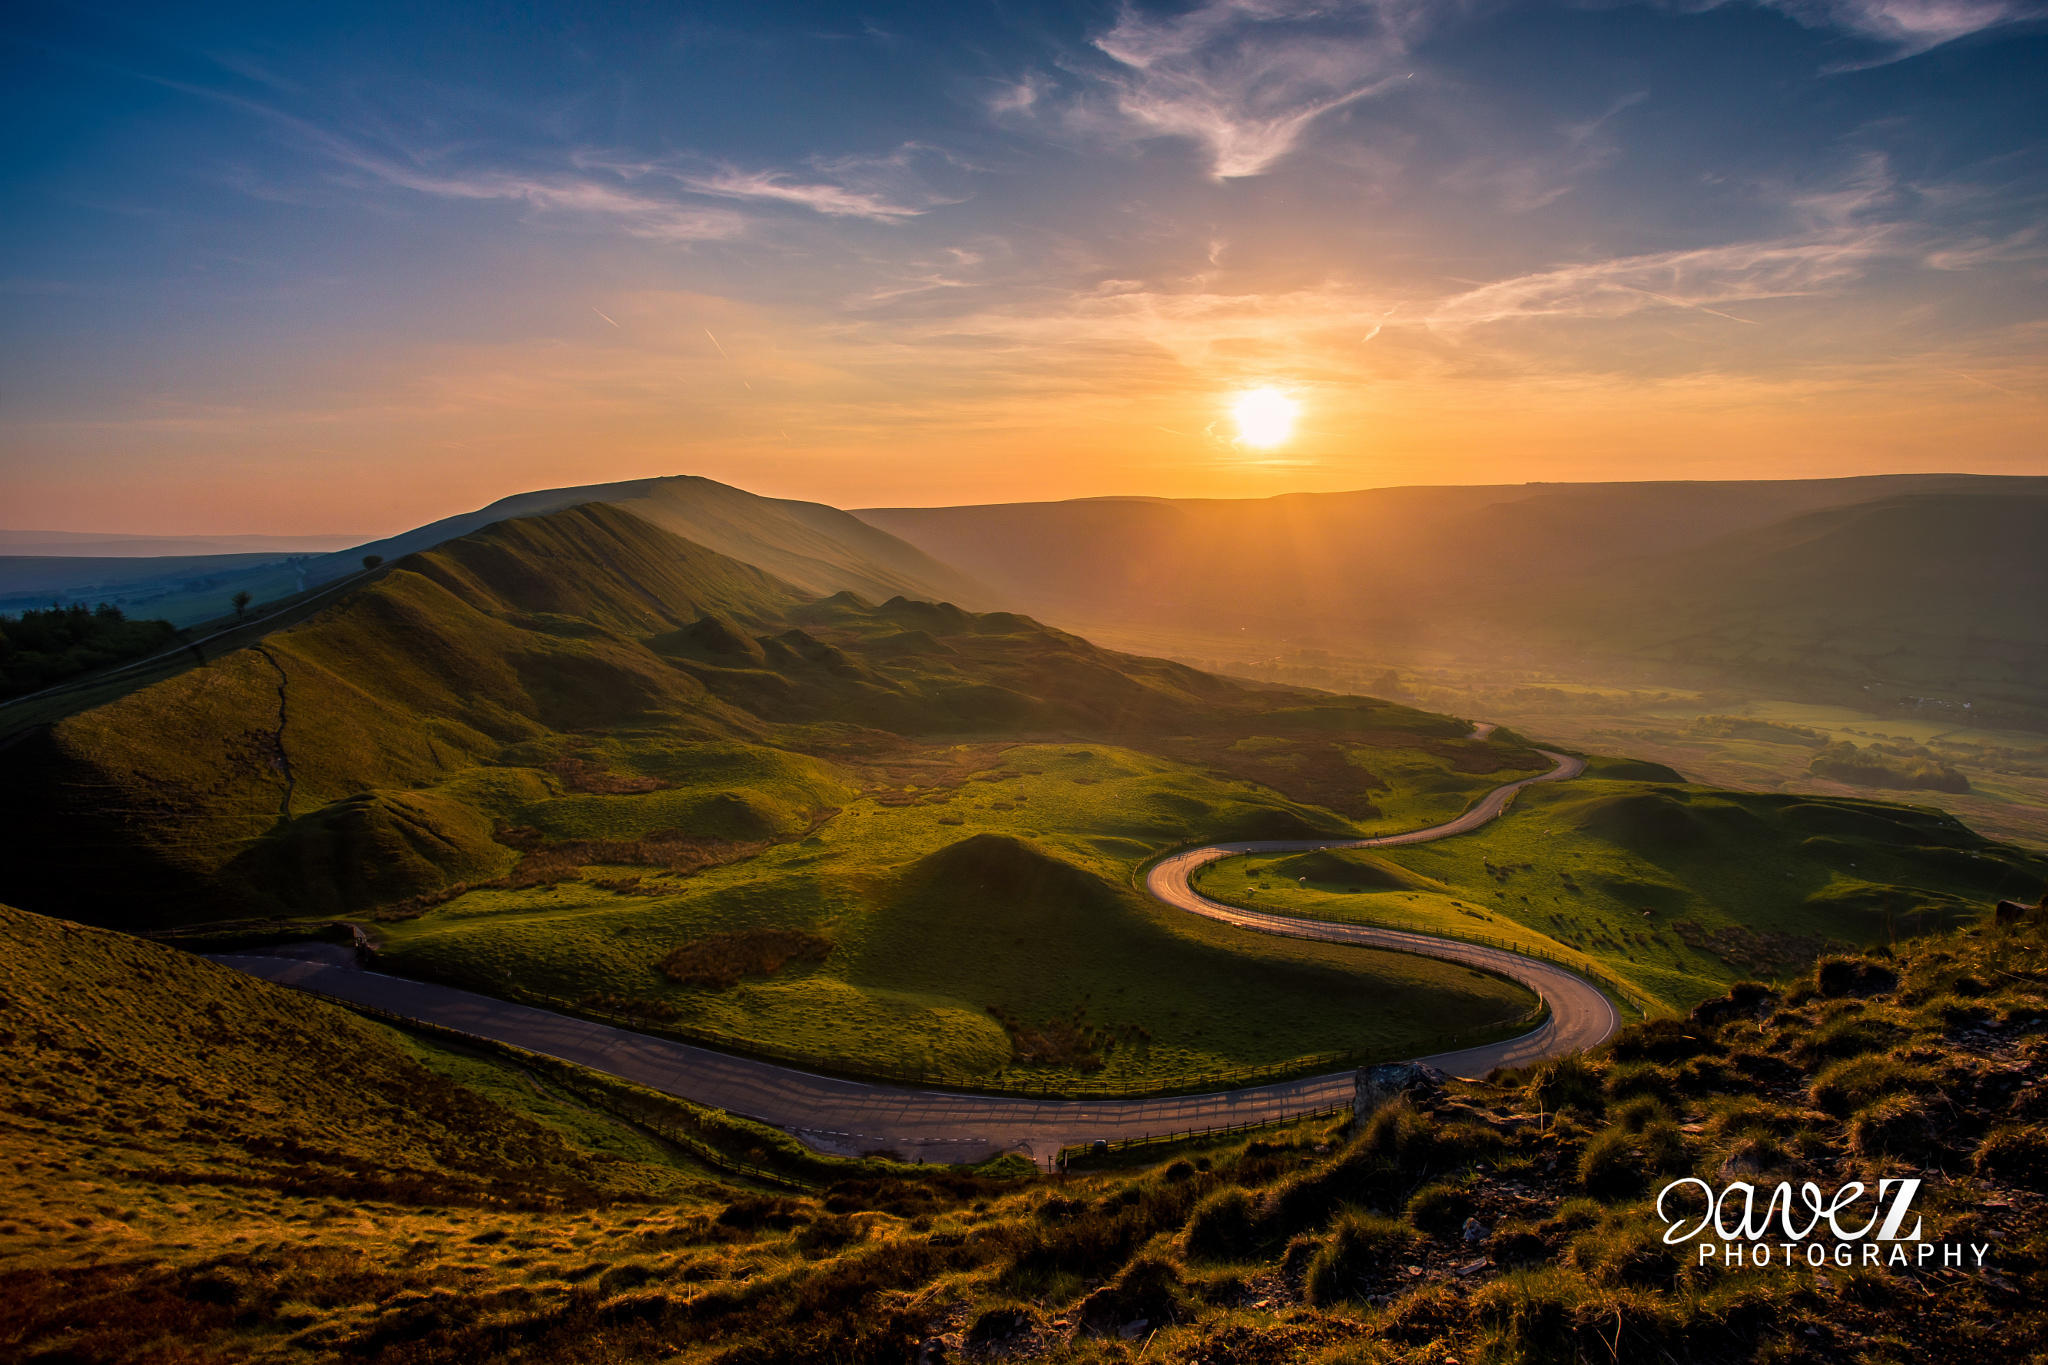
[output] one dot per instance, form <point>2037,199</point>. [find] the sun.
<point>1265,417</point>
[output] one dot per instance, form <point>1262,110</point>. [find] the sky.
<point>344,269</point>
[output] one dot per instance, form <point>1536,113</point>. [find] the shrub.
<point>1148,1288</point>
<point>1659,1040</point>
<point>1638,1078</point>
<point>1357,1253</point>
<point>1849,1036</point>
<point>1441,1210</point>
<point>1664,1149</point>
<point>1899,1126</point>
<point>1224,1227</point>
<point>1640,1113</point>
<point>1359,1175</point>
<point>1611,1167</point>
<point>1837,976</point>
<point>1848,1086</point>
<point>2019,1155</point>
<point>1567,1083</point>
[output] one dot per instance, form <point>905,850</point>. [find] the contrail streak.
<point>714,341</point>
<point>601,313</point>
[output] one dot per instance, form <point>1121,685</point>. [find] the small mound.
<point>714,637</point>
<point>1349,869</point>
<point>372,849</point>
<point>1858,820</point>
<point>719,961</point>
<point>1645,821</point>
<point>1002,870</point>
<point>1632,770</point>
<point>794,648</point>
<point>942,618</point>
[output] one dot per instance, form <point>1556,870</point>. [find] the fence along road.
<point>850,1117</point>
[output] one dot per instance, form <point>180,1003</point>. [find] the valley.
<point>623,844</point>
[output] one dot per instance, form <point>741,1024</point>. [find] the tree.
<point>372,561</point>
<point>241,601</point>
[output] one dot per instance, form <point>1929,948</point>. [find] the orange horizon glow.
<point>249,298</point>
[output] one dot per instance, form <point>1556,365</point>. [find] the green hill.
<point>560,752</point>
<point>1677,890</point>
<point>1065,956</point>
<point>817,548</point>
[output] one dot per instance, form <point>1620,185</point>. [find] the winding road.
<point>853,1117</point>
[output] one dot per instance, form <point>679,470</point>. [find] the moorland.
<point>744,772</point>
<point>191,1176</point>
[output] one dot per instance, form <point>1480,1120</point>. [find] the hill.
<point>115,1041</point>
<point>1930,595</point>
<point>575,755</point>
<point>816,548</point>
<point>1806,588</point>
<point>1677,890</point>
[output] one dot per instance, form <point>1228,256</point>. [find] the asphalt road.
<point>1580,1014</point>
<point>854,1117</point>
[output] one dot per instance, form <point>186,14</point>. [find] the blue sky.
<point>307,268</point>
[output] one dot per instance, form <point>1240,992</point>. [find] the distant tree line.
<point>1905,766</point>
<point>42,648</point>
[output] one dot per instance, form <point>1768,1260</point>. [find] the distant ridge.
<point>112,546</point>
<point>815,548</point>
<point>1884,588</point>
<point>811,546</point>
<point>309,768</point>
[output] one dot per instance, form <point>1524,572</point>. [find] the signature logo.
<point>1739,1225</point>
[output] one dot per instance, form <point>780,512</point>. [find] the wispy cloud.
<point>886,189</point>
<point>836,201</point>
<point>1245,78</point>
<point>640,215</point>
<point>1910,27</point>
<point>1843,229</point>
<point>1708,279</point>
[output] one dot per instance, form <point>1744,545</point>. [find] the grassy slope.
<point>1735,884</point>
<point>196,1165</point>
<point>551,753</point>
<point>502,637</point>
<point>933,923</point>
<point>1318,1244</point>
<point>1770,747</point>
<point>140,1080</point>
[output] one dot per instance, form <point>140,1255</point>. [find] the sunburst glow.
<point>1265,417</point>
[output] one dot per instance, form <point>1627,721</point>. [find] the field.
<point>1675,889</point>
<point>1771,745</point>
<point>979,913</point>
